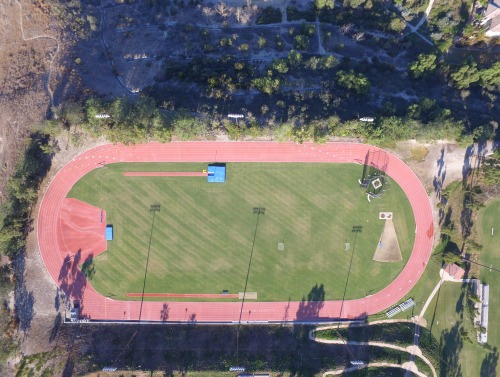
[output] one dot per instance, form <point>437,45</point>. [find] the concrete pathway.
<point>444,277</point>
<point>414,29</point>
<point>426,15</point>
<point>411,368</point>
<point>412,350</point>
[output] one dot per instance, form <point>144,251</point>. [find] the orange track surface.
<point>98,307</point>
<point>164,174</point>
<point>80,229</point>
<point>184,295</point>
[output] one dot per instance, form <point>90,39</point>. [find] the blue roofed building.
<point>216,173</point>
<point>109,232</point>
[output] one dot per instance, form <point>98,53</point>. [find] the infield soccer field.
<point>202,237</point>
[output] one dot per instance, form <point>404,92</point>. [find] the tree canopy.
<point>128,122</point>
<point>465,76</point>
<point>491,169</point>
<point>490,76</point>
<point>323,4</point>
<point>355,82</point>
<point>423,66</point>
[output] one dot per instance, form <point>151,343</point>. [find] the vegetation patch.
<point>395,333</point>
<point>446,19</point>
<point>401,334</point>
<point>419,153</point>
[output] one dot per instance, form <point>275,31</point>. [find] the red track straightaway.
<point>164,174</point>
<point>98,307</point>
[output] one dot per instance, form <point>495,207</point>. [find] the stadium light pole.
<point>153,208</point>
<point>356,229</point>
<point>256,211</point>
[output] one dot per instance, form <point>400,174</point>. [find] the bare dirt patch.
<point>25,62</point>
<point>445,163</point>
<point>388,249</point>
<point>31,74</point>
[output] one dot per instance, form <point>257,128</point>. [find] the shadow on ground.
<point>310,307</point>
<point>451,343</point>
<point>24,300</point>
<point>489,364</point>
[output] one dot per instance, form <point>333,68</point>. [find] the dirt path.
<point>108,54</point>
<point>41,36</point>
<point>24,98</point>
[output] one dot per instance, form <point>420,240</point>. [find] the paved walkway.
<point>444,277</point>
<point>413,350</point>
<point>414,29</point>
<point>425,16</point>
<point>411,368</point>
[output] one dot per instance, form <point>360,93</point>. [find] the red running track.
<point>164,174</point>
<point>185,295</point>
<point>98,307</point>
<point>79,220</point>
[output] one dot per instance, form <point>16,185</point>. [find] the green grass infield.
<point>204,233</point>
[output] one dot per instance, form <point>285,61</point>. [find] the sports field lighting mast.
<point>256,211</point>
<point>356,229</point>
<point>153,208</point>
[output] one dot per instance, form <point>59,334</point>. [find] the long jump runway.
<point>95,306</point>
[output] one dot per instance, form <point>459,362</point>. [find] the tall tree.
<point>423,66</point>
<point>323,4</point>
<point>355,82</point>
<point>490,76</point>
<point>465,76</point>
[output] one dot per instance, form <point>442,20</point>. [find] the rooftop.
<point>456,272</point>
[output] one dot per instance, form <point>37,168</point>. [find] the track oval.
<point>99,307</point>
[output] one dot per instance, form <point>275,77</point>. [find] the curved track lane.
<point>98,307</point>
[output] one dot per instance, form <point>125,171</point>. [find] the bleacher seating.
<point>407,304</point>
<point>393,312</point>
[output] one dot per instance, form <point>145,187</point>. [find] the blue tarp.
<point>217,173</point>
<point>109,232</point>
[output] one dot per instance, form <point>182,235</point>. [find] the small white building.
<point>492,18</point>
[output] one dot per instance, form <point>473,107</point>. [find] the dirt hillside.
<point>24,66</point>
